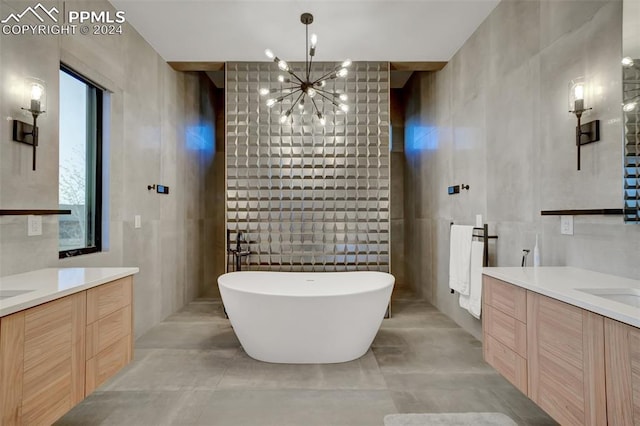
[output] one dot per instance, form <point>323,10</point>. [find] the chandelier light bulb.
<point>311,92</point>
<point>343,97</point>
<point>630,106</point>
<point>301,105</point>
<point>314,40</point>
<point>342,72</point>
<point>344,107</point>
<point>283,65</point>
<point>284,117</point>
<point>346,63</point>
<point>269,54</point>
<point>264,91</point>
<point>627,62</point>
<point>281,78</point>
<point>323,120</point>
<point>322,83</point>
<point>271,102</point>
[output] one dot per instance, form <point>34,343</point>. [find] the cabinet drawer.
<point>107,363</point>
<point>508,298</point>
<point>108,298</point>
<point>505,329</point>
<point>108,330</point>
<point>508,363</point>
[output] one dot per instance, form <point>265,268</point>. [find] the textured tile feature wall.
<point>631,88</point>
<point>310,198</point>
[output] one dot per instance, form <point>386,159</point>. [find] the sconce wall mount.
<point>35,99</point>
<point>585,133</point>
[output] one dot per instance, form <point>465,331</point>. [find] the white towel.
<point>460,258</point>
<point>473,301</point>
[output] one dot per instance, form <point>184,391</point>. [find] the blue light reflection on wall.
<point>201,138</point>
<point>419,137</point>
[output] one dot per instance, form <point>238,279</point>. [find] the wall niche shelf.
<point>583,212</point>
<point>37,212</point>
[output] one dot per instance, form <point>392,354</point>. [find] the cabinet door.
<point>566,361</point>
<point>11,360</point>
<point>44,370</point>
<point>622,357</point>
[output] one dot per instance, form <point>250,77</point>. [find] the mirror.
<point>631,108</point>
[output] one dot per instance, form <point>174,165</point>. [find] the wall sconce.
<point>588,132</point>
<point>34,102</point>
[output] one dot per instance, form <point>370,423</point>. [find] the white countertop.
<point>562,283</point>
<point>49,284</point>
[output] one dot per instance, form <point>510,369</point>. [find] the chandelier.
<point>303,88</point>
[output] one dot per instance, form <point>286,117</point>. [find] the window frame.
<point>94,198</point>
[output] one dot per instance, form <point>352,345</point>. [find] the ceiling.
<point>384,30</point>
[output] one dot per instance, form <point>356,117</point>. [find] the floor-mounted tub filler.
<point>306,317</point>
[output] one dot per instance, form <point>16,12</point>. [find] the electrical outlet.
<point>137,221</point>
<point>566,225</point>
<point>34,225</point>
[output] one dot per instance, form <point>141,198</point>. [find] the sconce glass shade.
<point>34,95</point>
<point>578,95</point>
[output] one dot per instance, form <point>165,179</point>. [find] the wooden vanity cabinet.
<point>622,359</point>
<point>109,331</point>
<point>566,361</point>
<point>42,361</point>
<point>504,330</point>
<point>551,351</point>
<point>53,355</point>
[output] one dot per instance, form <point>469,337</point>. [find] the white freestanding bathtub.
<point>306,318</point>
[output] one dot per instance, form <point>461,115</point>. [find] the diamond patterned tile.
<point>311,198</point>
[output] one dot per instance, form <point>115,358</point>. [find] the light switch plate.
<point>137,221</point>
<point>34,225</point>
<point>566,225</point>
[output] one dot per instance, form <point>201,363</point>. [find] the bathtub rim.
<point>385,285</point>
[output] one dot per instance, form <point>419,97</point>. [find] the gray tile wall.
<point>397,160</point>
<point>214,252</point>
<point>157,135</point>
<point>309,197</point>
<point>496,118</point>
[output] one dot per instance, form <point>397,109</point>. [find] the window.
<point>80,172</point>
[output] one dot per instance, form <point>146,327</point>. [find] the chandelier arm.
<point>313,101</point>
<point>282,90</point>
<point>295,102</point>
<point>324,77</point>
<point>281,98</point>
<point>326,91</point>
<point>330,100</point>
<point>327,75</point>
<point>295,76</point>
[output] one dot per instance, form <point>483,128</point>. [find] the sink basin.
<point>5,294</point>
<point>628,296</point>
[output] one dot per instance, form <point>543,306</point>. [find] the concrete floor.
<point>191,370</point>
